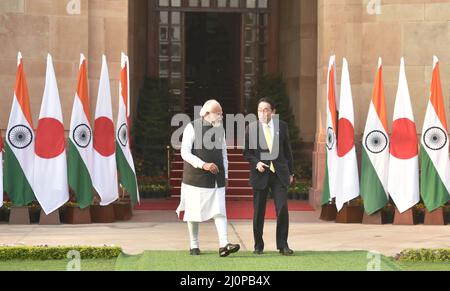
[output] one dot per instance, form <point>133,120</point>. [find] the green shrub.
<point>425,255</point>
<point>152,127</point>
<point>153,188</point>
<point>44,253</point>
<point>7,205</point>
<point>300,187</point>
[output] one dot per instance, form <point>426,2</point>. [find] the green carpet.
<point>245,261</point>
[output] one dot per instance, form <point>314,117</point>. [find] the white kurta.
<point>200,204</point>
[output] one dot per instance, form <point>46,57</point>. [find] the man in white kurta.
<point>205,177</point>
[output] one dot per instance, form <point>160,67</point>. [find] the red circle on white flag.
<point>346,137</point>
<point>104,138</point>
<point>50,141</point>
<point>404,142</point>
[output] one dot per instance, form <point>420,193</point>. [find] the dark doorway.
<point>213,58</point>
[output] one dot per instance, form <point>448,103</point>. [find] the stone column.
<point>108,34</point>
<point>339,33</point>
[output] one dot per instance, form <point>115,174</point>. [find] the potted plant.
<point>447,213</point>
<point>290,195</point>
<point>437,216</point>
<point>380,217</point>
<point>4,211</point>
<point>102,214</point>
<point>419,213</point>
<point>352,212</point>
<point>413,216</point>
<point>153,188</point>
<point>293,192</point>
<point>71,213</point>
<point>389,212</point>
<point>35,212</point>
<point>304,188</point>
<point>123,207</point>
<point>299,191</point>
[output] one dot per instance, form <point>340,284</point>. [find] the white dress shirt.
<point>200,204</point>
<point>188,144</point>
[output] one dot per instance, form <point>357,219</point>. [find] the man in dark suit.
<point>268,149</point>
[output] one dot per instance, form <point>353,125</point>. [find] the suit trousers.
<point>280,193</point>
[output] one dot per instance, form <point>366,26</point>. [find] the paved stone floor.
<point>160,230</point>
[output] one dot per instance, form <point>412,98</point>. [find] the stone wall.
<point>38,27</point>
<point>138,47</point>
<point>298,55</point>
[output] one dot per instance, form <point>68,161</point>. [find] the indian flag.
<point>104,174</point>
<point>347,176</point>
<point>50,164</point>
<point>80,142</point>
<point>375,153</point>
<point>19,146</point>
<point>435,174</point>
<point>125,164</point>
<point>329,188</point>
<point>403,181</point>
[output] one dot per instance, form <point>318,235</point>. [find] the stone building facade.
<point>299,37</point>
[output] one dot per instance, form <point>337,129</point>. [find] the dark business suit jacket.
<point>255,146</point>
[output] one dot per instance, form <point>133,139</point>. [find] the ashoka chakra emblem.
<point>331,140</point>
<point>20,137</point>
<point>376,142</point>
<point>122,135</point>
<point>435,138</point>
<point>82,135</point>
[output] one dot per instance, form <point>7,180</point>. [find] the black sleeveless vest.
<point>199,177</point>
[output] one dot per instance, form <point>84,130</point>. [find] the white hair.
<point>208,107</point>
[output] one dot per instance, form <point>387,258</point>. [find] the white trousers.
<point>222,230</point>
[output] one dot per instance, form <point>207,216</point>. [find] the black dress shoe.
<point>195,252</point>
<point>228,250</point>
<point>286,251</point>
<point>258,252</point>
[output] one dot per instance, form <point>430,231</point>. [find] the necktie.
<point>269,140</point>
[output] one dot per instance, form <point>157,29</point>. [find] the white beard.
<point>217,124</point>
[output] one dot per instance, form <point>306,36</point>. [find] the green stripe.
<point>15,182</point>
<point>79,178</point>
<point>126,175</point>
<point>434,193</point>
<point>326,196</point>
<point>372,190</point>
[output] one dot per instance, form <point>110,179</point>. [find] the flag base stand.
<point>76,215</point>
<point>377,218</point>
<point>103,214</point>
<point>350,214</point>
<point>51,219</point>
<point>435,218</point>
<point>19,216</point>
<point>328,213</point>
<point>123,210</point>
<point>408,217</point>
